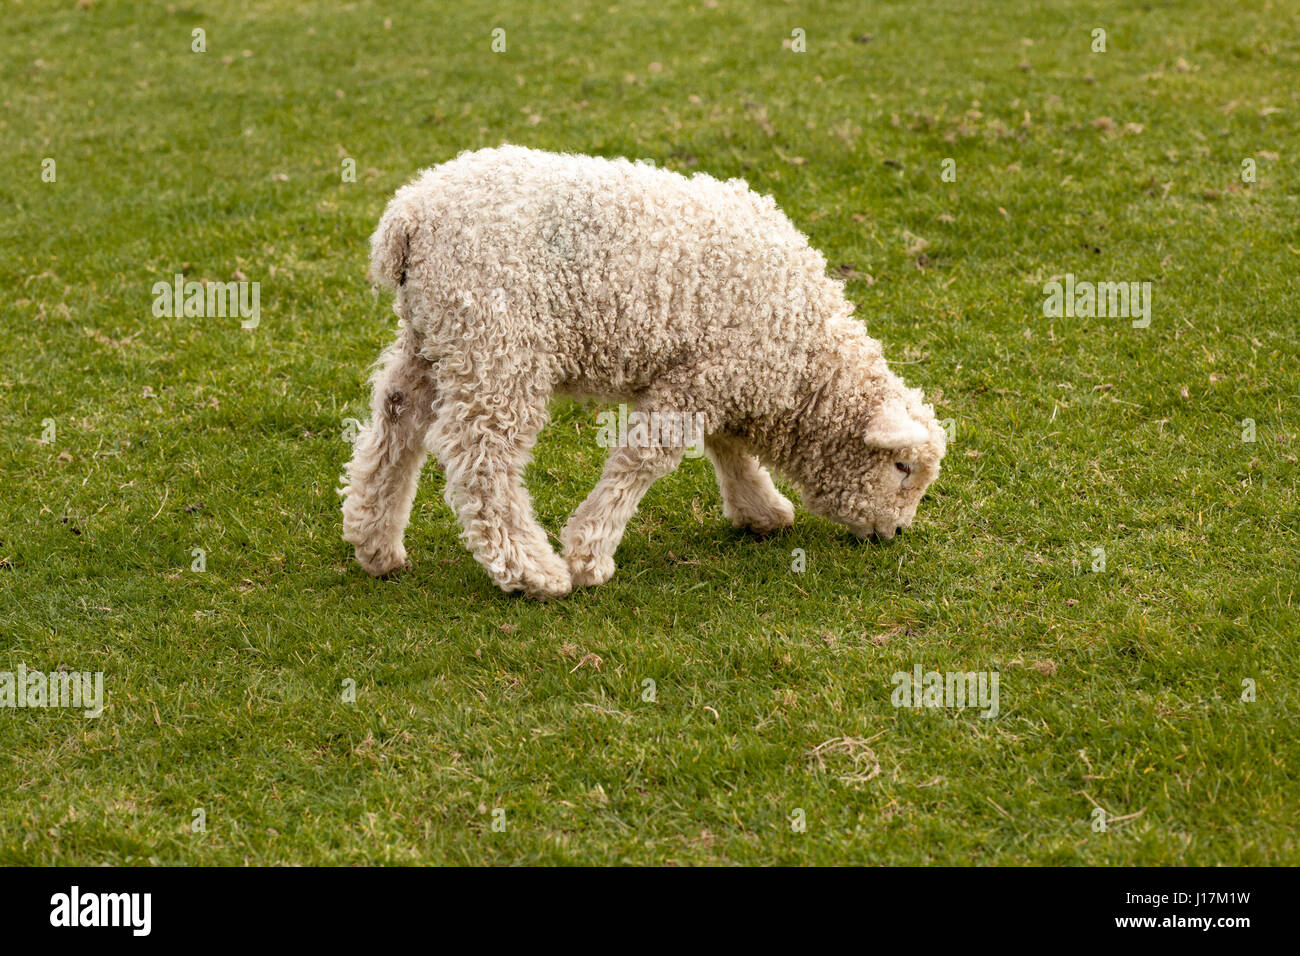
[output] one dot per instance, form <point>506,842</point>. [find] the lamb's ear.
<point>892,427</point>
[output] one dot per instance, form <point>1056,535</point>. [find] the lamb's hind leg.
<point>390,449</point>
<point>484,442</point>
<point>749,498</point>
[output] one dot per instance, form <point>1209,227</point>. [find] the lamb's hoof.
<point>383,562</point>
<point>780,515</point>
<point>590,570</point>
<point>546,580</point>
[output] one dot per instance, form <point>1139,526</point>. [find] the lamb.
<point>520,274</point>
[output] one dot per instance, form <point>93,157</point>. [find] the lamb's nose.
<point>898,530</point>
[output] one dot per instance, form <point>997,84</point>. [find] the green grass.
<point>1120,689</point>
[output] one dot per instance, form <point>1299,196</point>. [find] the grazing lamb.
<point>520,274</point>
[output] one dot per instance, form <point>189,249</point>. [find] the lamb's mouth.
<point>862,532</point>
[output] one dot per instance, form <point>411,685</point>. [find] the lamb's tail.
<point>390,246</point>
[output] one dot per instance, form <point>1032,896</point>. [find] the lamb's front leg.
<point>595,529</point>
<point>749,498</point>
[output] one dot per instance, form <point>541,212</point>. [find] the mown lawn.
<point>129,440</point>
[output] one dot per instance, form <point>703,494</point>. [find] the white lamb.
<point>520,274</point>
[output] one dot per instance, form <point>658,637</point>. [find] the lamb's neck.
<point>824,400</point>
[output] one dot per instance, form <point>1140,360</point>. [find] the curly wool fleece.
<point>519,274</point>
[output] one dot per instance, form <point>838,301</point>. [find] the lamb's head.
<point>882,473</point>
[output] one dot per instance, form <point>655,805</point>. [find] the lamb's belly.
<point>603,370</point>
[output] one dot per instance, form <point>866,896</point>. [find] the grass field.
<point>127,441</point>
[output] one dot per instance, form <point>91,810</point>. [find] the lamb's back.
<point>624,269</point>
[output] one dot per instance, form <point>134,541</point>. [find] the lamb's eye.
<point>904,467</point>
